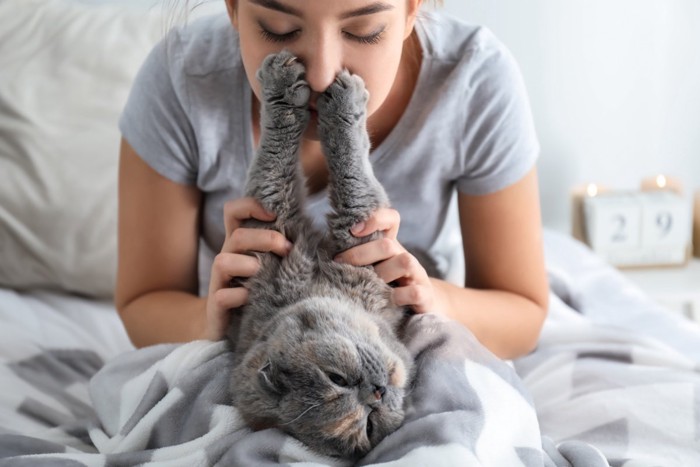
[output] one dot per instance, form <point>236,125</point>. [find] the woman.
<point>447,114</point>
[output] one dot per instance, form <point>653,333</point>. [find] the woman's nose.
<point>323,63</point>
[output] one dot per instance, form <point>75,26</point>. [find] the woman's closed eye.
<point>270,36</point>
<point>274,37</point>
<point>373,38</point>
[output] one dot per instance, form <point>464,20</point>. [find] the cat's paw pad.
<point>283,81</point>
<point>345,100</point>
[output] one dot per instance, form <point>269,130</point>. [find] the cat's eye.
<point>337,379</point>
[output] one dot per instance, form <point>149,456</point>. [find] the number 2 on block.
<point>619,234</point>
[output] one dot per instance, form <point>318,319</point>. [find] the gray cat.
<point>317,348</point>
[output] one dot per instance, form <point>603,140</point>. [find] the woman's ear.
<point>232,8</point>
<point>411,13</point>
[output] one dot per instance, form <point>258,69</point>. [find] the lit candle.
<point>662,182</point>
<point>591,189</point>
<point>578,194</point>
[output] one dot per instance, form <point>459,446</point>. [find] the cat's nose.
<point>379,392</point>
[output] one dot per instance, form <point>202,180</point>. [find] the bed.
<point>614,381</point>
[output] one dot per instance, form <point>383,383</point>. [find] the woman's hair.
<point>177,12</point>
<point>180,9</point>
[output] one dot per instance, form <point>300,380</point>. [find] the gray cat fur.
<point>317,348</point>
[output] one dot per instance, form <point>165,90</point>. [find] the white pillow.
<point>65,73</point>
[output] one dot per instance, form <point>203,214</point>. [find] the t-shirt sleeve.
<point>155,119</point>
<point>500,144</point>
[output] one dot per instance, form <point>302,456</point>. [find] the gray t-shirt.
<point>467,127</point>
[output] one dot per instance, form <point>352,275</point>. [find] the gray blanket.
<point>171,403</point>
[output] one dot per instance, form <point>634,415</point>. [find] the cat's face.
<point>331,377</point>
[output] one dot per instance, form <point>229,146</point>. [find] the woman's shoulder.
<point>447,38</point>
<point>204,46</point>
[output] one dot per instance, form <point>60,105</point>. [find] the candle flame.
<point>592,189</point>
<point>661,181</point>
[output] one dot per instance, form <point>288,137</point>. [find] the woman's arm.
<point>505,299</point>
<point>156,290</point>
<point>157,280</point>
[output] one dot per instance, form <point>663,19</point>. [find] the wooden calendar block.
<point>631,229</point>
<point>613,221</point>
<point>696,226</point>
<point>665,219</point>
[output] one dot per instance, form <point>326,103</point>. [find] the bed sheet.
<point>66,338</point>
<point>613,368</point>
<point>615,380</point>
<point>603,296</point>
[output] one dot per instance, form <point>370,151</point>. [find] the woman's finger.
<point>262,240</point>
<point>238,210</point>
<point>417,296</point>
<point>218,311</point>
<point>403,266</point>
<point>229,265</point>
<point>371,252</point>
<point>385,220</point>
<point>226,299</point>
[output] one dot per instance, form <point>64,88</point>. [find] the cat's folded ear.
<point>270,379</point>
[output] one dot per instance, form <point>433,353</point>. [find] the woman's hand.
<point>391,261</point>
<point>234,261</point>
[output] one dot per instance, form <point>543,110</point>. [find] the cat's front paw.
<point>344,103</point>
<point>285,91</point>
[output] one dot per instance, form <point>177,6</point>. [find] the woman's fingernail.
<point>357,228</point>
<point>289,245</point>
<point>339,259</point>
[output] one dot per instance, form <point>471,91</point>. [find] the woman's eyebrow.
<point>275,5</point>
<point>370,9</point>
<point>375,7</point>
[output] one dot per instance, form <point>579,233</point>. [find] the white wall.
<point>614,85</point>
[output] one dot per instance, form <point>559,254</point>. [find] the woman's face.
<point>364,36</point>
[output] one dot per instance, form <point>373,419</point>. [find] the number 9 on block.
<point>666,221</point>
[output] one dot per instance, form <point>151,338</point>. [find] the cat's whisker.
<point>300,415</point>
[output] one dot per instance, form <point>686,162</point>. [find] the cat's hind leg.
<point>354,191</point>
<point>275,178</point>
